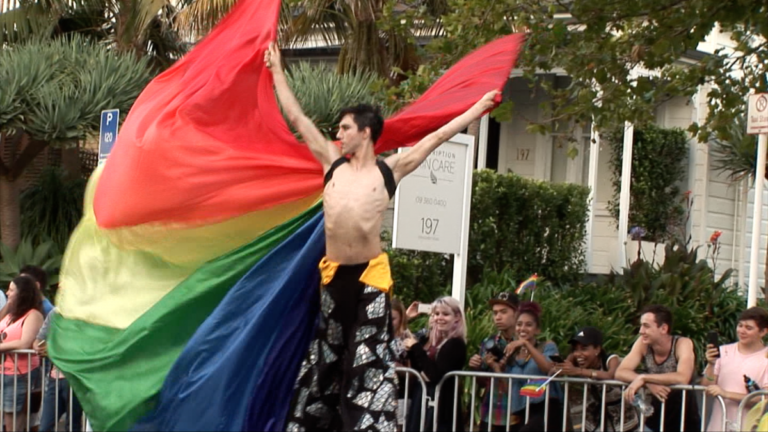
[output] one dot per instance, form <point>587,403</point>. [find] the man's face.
<point>650,331</point>
<point>503,317</point>
<point>748,332</point>
<point>350,136</point>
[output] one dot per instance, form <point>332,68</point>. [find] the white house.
<point>719,204</point>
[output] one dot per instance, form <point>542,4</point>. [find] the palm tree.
<point>374,35</point>
<point>736,154</point>
<point>53,94</point>
<point>145,28</point>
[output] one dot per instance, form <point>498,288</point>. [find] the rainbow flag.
<point>528,284</point>
<point>534,388</point>
<point>188,292</point>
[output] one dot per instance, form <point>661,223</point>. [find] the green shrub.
<point>658,165</point>
<point>684,283</point>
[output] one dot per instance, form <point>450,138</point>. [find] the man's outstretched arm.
<point>323,150</point>
<point>403,164</point>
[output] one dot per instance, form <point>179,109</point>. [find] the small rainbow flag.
<point>534,388</point>
<point>528,284</point>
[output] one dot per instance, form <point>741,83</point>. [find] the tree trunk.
<point>10,213</point>
<point>70,162</point>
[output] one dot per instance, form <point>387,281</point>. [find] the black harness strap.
<point>389,178</point>
<point>337,163</point>
<point>386,172</point>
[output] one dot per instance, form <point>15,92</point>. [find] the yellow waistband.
<point>377,274</point>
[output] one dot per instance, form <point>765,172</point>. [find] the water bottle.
<point>642,406</point>
<point>751,385</point>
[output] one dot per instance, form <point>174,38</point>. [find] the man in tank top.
<point>666,360</point>
<point>347,380</point>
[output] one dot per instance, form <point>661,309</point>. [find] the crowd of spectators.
<point>648,371</point>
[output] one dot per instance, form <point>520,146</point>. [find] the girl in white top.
<point>724,376</point>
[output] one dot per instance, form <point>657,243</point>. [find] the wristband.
<point>709,378</point>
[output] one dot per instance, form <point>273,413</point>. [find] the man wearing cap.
<point>588,359</point>
<point>491,359</point>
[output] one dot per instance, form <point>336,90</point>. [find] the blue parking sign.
<point>107,132</point>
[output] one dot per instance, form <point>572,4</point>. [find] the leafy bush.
<point>658,165</point>
<point>52,208</point>
<point>684,283</point>
<point>518,226</point>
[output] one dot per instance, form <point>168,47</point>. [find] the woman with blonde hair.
<point>444,351</point>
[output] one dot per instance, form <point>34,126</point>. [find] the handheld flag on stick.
<point>528,284</point>
<point>536,388</point>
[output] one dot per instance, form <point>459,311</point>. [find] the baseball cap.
<point>588,336</point>
<point>506,298</point>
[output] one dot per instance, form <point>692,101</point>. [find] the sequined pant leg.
<point>315,404</point>
<point>369,389</point>
<point>347,381</point>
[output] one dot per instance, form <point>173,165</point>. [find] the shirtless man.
<point>347,381</point>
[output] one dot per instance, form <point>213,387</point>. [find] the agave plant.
<point>53,92</point>
<point>322,92</point>
<point>45,254</point>
<point>143,28</point>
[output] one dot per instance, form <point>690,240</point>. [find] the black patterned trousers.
<point>347,381</point>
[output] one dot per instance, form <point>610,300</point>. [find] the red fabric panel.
<point>205,141</point>
<point>456,91</point>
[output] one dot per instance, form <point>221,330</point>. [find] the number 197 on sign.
<point>429,225</point>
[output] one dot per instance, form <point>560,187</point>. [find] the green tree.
<point>599,42</point>
<point>53,93</point>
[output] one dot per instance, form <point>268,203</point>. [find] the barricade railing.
<point>489,379</point>
<point>747,404</point>
<point>425,401</point>
<point>22,386</point>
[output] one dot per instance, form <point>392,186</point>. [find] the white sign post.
<point>432,206</point>
<point>757,124</point>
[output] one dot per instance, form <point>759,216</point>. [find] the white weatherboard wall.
<point>763,239</point>
<point>722,207</point>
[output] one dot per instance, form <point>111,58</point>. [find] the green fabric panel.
<point>117,374</point>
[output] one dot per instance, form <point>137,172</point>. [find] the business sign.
<point>107,132</point>
<point>757,114</point>
<point>430,202</point>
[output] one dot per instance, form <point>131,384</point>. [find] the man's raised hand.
<point>272,57</point>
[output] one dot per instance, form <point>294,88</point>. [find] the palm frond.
<point>198,17</point>
<point>25,21</point>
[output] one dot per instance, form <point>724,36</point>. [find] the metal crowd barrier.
<point>748,403</point>
<point>33,419</point>
<point>425,402</point>
<point>566,382</point>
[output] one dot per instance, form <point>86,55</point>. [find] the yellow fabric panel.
<point>121,273</point>
<point>377,274</point>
